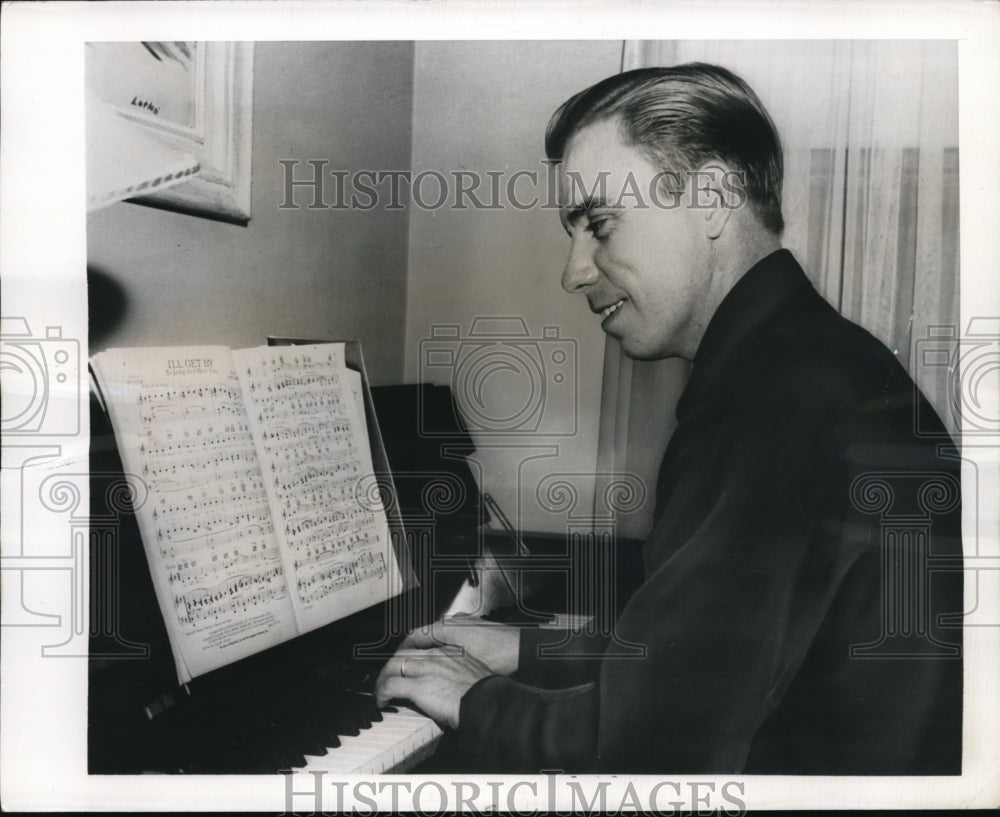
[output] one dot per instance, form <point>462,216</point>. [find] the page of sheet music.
<point>305,414</point>
<point>206,524</point>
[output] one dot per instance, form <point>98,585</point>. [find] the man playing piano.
<point>768,613</point>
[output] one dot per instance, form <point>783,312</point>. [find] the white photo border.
<point>43,702</point>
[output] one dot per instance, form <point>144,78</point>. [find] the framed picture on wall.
<point>192,97</point>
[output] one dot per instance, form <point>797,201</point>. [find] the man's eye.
<point>600,228</point>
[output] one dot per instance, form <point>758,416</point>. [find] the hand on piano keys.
<point>433,679</point>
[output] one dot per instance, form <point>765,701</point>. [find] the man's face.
<point>638,253</point>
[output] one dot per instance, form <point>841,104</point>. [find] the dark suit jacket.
<point>807,543</point>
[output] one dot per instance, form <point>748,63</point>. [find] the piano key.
<point>397,743</point>
<point>345,727</point>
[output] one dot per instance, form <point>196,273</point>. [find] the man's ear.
<point>715,195</point>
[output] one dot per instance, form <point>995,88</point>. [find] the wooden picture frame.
<point>203,108</point>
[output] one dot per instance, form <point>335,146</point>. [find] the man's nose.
<point>580,271</point>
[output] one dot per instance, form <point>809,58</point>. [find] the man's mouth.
<point>611,308</point>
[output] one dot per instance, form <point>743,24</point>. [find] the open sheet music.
<point>259,523</point>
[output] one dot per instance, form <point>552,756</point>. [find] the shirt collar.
<point>755,297</point>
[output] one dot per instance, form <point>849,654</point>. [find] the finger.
<point>390,688</point>
<point>390,668</point>
<point>398,688</point>
<point>414,663</point>
<point>385,674</point>
<point>394,667</point>
<point>433,661</point>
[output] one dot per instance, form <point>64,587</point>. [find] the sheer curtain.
<point>870,137</point>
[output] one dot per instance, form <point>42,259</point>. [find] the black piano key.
<point>362,717</point>
<point>312,745</point>
<point>330,739</point>
<point>292,760</point>
<point>346,728</point>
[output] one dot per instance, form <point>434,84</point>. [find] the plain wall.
<point>480,107</point>
<point>171,279</point>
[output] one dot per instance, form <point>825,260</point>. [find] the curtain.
<point>870,137</point>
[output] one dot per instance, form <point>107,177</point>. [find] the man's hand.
<point>433,679</point>
<point>436,665</point>
<point>496,645</point>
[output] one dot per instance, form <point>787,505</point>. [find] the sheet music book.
<point>260,521</point>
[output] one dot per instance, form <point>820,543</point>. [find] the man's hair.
<point>680,118</point>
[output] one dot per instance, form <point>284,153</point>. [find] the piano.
<point>305,704</point>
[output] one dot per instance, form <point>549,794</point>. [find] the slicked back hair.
<point>682,117</point>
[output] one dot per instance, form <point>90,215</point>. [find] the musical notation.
<point>190,571</point>
<point>209,508</point>
<point>324,550</point>
<point>304,416</point>
<point>320,582</point>
<point>176,470</point>
<point>159,403</point>
<point>253,461</point>
<point>230,596</point>
<point>231,526</point>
